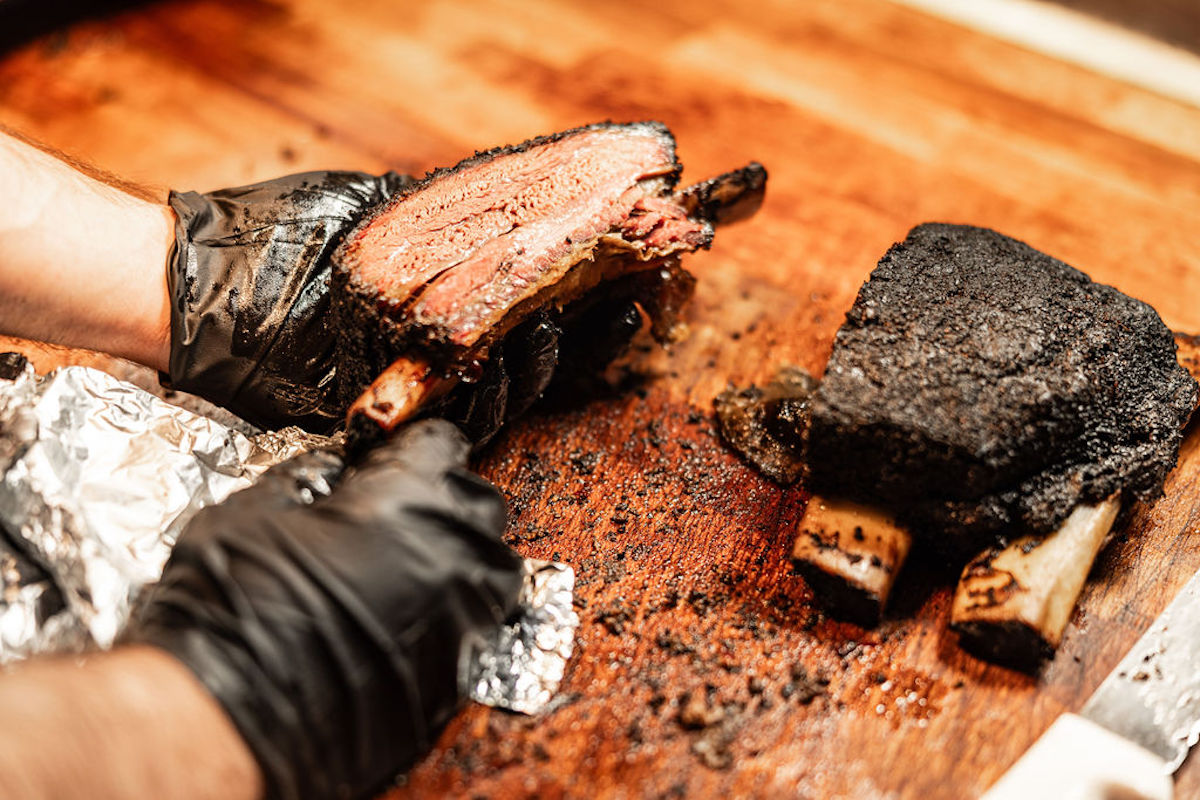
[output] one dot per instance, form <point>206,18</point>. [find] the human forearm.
<point>128,724</point>
<point>82,262</point>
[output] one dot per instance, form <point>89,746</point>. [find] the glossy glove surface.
<point>250,297</point>
<point>335,632</point>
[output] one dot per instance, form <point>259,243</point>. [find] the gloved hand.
<point>248,282</point>
<point>335,632</point>
<point>249,291</point>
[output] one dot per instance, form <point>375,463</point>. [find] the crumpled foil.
<point>524,663</point>
<point>98,479</point>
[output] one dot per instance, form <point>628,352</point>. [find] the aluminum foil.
<point>521,668</point>
<point>99,478</point>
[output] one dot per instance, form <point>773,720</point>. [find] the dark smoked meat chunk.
<point>767,426</point>
<point>981,389</point>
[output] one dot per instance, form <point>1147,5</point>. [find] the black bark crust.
<point>727,198</point>
<point>981,389</point>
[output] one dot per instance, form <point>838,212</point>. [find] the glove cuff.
<point>248,280</point>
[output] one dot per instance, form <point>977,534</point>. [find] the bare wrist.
<point>82,262</point>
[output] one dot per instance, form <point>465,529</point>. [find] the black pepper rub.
<point>980,388</point>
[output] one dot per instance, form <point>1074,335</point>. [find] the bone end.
<point>398,394</point>
<point>850,555</point>
<point>1012,604</point>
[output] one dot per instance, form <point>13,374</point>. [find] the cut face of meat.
<point>450,259</point>
<point>504,207</point>
<point>981,388</point>
<point>443,271</point>
<point>468,301</point>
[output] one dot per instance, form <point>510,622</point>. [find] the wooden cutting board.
<point>702,668</point>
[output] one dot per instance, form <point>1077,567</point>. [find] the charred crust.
<point>367,343</point>
<point>653,127</point>
<point>727,198</point>
<point>980,388</point>
<point>1011,643</point>
<point>840,598</point>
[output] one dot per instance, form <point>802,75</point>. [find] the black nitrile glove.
<point>335,634</point>
<point>249,291</point>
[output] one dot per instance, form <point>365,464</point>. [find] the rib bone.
<point>850,555</point>
<point>1012,604</point>
<point>400,392</point>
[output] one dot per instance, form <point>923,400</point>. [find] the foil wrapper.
<point>523,664</point>
<point>98,479</point>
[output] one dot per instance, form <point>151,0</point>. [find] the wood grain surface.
<point>702,669</point>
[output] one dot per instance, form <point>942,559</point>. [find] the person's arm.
<point>131,723</point>
<point>82,256</point>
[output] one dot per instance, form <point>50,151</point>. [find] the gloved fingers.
<point>423,451</point>
<point>392,182</point>
<point>248,281</point>
<point>334,633</point>
<point>591,340</point>
<point>530,356</point>
<point>480,408</point>
<point>478,500</point>
<point>513,378</point>
<point>601,334</point>
<point>419,479</point>
<point>345,194</point>
<point>327,194</point>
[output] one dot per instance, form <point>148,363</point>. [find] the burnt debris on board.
<point>768,425</point>
<point>518,240</point>
<point>996,403</point>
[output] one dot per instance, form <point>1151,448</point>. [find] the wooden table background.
<point>699,651</point>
